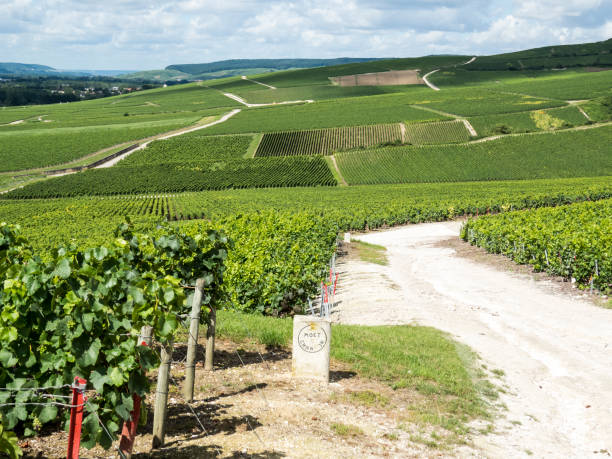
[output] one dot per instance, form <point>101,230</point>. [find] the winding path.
<point>223,119</point>
<point>553,344</point>
<point>244,102</point>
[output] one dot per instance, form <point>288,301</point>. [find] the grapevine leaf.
<point>7,359</point>
<point>88,319</point>
<point>98,380</point>
<point>167,324</point>
<point>62,269</point>
<point>115,376</point>
<point>137,295</point>
<point>168,294</point>
<point>90,357</point>
<point>48,414</point>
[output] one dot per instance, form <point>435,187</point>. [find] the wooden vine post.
<point>210,339</point>
<point>192,343</point>
<point>161,397</point>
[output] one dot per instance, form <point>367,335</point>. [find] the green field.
<point>521,157</point>
<point>532,121</point>
<point>48,147</point>
<point>356,111</point>
<point>187,176</point>
<point>188,148</point>
<point>326,141</point>
<point>442,132</point>
<point>260,199</point>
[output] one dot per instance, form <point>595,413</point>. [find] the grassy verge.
<point>448,391</point>
<point>250,153</point>
<point>370,253</point>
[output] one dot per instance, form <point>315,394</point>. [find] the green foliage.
<point>189,148</point>
<point>563,85</point>
<point>599,109</point>
<point>272,64</point>
<point>277,261</point>
<point>325,141</point>
<point>482,101</point>
<point>77,314</point>
<point>192,176</point>
<point>9,443</point>
<point>521,157</point>
<point>442,132</point>
<point>572,241</point>
<point>356,111</point>
<point>44,147</point>
<point>558,56</point>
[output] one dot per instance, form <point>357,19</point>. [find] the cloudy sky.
<point>151,34</point>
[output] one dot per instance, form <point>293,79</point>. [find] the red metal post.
<point>76,417</point>
<point>128,434</point>
<point>335,283</point>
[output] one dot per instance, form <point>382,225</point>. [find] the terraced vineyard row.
<point>522,157</point>
<point>326,141</point>
<point>442,132</point>
<point>209,175</point>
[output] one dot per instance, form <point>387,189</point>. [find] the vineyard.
<point>443,132</point>
<point>88,220</point>
<point>194,176</point>
<point>44,147</point>
<point>521,157</point>
<point>253,204</point>
<point>189,148</point>
<point>354,111</point>
<point>574,241</point>
<point>326,141</point>
<point>52,331</point>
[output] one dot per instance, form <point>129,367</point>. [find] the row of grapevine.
<point>52,331</point>
<point>138,205</point>
<point>572,241</point>
<point>442,132</point>
<point>548,155</point>
<point>196,176</point>
<point>374,206</point>
<point>50,222</point>
<point>190,147</point>
<point>326,141</point>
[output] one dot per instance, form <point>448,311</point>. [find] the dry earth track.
<point>553,344</point>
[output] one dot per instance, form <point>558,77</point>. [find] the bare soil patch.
<point>390,78</point>
<point>253,408</point>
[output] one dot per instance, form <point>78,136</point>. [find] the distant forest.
<point>15,91</point>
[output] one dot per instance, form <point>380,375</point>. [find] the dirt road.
<point>223,119</point>
<point>554,346</point>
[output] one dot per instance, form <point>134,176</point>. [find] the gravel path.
<point>244,102</point>
<point>223,119</point>
<point>554,347</point>
<point>431,85</point>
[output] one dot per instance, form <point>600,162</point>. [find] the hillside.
<point>15,68</point>
<point>598,54</point>
<point>237,67</point>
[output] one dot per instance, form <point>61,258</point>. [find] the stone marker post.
<point>347,238</point>
<point>311,342</point>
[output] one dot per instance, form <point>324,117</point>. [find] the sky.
<point>151,34</point>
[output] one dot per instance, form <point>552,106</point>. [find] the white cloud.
<point>154,33</point>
